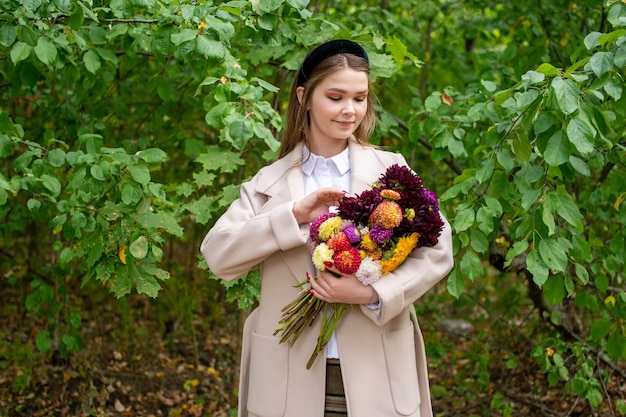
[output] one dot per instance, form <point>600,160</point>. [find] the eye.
<point>334,98</point>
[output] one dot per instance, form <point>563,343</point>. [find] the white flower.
<point>369,271</point>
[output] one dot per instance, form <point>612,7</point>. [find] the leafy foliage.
<point>126,127</point>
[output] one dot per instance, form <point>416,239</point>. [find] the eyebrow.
<point>341,90</point>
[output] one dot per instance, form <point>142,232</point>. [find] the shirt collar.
<point>341,161</point>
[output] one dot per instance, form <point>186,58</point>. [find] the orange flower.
<point>387,214</point>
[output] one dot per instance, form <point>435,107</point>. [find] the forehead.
<point>346,79</point>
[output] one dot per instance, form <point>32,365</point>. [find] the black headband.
<point>326,50</point>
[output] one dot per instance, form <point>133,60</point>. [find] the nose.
<point>349,107</point>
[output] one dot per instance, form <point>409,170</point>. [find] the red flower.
<point>347,261</point>
<point>339,242</point>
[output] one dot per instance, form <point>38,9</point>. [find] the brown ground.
<point>140,358</point>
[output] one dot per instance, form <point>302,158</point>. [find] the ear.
<point>300,94</point>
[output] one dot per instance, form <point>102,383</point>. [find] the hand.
<point>316,203</point>
<point>345,289</point>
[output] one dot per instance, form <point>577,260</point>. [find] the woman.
<point>376,356</point>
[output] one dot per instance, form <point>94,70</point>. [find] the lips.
<point>346,123</point>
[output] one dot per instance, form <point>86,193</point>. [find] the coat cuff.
<point>287,232</point>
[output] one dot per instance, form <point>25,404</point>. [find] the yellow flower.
<point>404,247</point>
<point>367,243</point>
<point>329,228</point>
<point>322,253</point>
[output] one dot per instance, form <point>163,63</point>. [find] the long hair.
<point>297,129</point>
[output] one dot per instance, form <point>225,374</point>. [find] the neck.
<point>328,150</point>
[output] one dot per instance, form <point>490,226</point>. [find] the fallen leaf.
<point>119,407</point>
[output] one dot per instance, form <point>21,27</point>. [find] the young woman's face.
<point>336,108</point>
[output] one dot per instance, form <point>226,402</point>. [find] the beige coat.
<point>382,353</point>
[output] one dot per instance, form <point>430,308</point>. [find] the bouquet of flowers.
<point>368,236</point>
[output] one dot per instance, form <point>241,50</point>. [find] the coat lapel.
<point>365,167</point>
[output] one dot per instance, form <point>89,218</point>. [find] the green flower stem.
<point>329,324</point>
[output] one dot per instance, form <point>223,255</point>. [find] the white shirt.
<point>319,172</point>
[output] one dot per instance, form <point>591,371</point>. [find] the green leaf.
<point>616,346</point>
<point>547,216</point>
<point>470,265</point>
<point>582,274</point>
<point>464,219</point>
<point>210,48</point>
<point>620,56</point>
<point>479,241</point>
<point>554,290</point>
<point>56,157</point>
<point>591,40</point>
<point>553,254</point>
<point>568,210</point>
<point>183,36</point>
<point>580,166</point>
<point>299,4</point>
<point>139,248</point>
<point>33,204</point>
<point>52,184</point>
<point>557,151</point>
<point>485,170</point>
<point>8,34</point>
<point>601,63</point>
<point>72,342</point>
<point>537,268</point>
<point>161,220</point>
<point>97,172</point>
<point>517,249</point>
<point>566,94</point>
<point>43,341</point>
<point>27,35</point>
<point>152,155</point>
<point>77,18</point>
<point>92,61</point>
<point>268,6</point>
<point>20,52</point>
<point>147,284</point>
<point>505,159</point>
<point>139,173</point>
<point>131,193</point>
<point>217,159</point>
<point>455,283</point>
<point>614,89</point>
<point>46,51</point>
<point>529,197</point>
<point>521,147</point>
<point>581,134</point>
<point>202,209</point>
<point>547,69</point>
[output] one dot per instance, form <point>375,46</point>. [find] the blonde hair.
<point>297,129</point>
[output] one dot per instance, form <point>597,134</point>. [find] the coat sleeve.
<point>247,233</point>
<point>424,268</point>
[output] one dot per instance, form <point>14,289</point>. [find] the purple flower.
<point>315,226</point>
<point>379,234</point>
<point>353,234</point>
<point>431,199</point>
